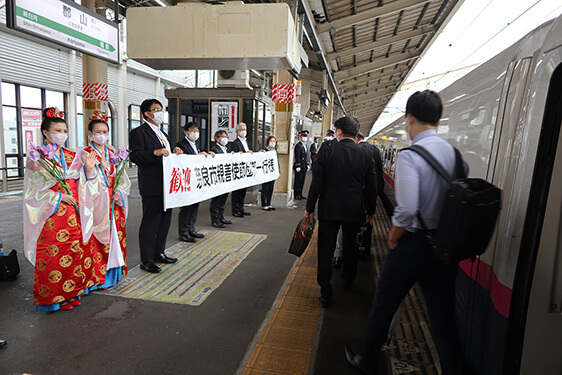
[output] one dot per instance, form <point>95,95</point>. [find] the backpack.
<point>469,213</point>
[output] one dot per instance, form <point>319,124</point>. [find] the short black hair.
<point>425,106</point>
<point>145,106</point>
<point>360,136</point>
<point>190,125</point>
<point>218,133</point>
<point>348,125</point>
<point>96,121</point>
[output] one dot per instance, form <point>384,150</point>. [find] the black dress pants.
<point>187,219</point>
<point>299,182</point>
<point>411,261</point>
<point>154,228</point>
<point>327,234</point>
<point>237,199</point>
<point>267,193</point>
<point>217,207</point>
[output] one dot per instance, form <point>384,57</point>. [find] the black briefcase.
<point>9,266</point>
<point>302,236</point>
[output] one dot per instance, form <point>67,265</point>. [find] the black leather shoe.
<point>271,208</point>
<point>196,235</point>
<point>163,258</point>
<point>354,360</point>
<point>298,198</point>
<point>187,238</point>
<point>218,224</point>
<point>246,213</point>
<point>303,197</point>
<point>3,343</point>
<point>237,214</point>
<point>224,221</point>
<point>150,267</point>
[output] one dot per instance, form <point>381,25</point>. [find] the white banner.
<point>190,179</point>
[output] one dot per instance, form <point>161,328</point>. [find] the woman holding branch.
<point>53,239</point>
<point>111,206</point>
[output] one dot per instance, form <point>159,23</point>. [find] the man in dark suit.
<point>217,203</point>
<point>301,164</point>
<point>148,145</point>
<point>239,145</point>
<point>314,150</point>
<point>344,183</point>
<point>188,214</point>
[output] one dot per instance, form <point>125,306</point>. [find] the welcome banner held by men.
<point>190,179</point>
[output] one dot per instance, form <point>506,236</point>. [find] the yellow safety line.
<point>286,342</point>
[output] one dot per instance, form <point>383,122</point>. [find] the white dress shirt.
<point>161,136</point>
<point>244,143</point>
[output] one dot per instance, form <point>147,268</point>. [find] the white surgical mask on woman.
<point>158,118</point>
<point>100,139</point>
<point>224,141</point>
<point>58,138</point>
<point>272,144</point>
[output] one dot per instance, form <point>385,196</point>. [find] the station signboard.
<point>66,23</point>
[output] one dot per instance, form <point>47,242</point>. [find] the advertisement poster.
<point>224,116</point>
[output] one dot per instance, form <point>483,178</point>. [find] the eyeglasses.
<point>157,110</point>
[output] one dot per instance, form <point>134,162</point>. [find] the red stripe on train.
<point>484,275</point>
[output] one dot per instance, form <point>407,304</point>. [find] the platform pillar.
<point>284,132</point>
<point>94,78</point>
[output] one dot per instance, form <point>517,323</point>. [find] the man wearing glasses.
<point>149,144</point>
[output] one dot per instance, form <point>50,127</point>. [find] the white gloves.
<point>298,169</point>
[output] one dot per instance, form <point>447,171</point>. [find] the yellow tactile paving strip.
<point>285,344</point>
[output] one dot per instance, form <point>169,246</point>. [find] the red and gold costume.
<point>64,264</point>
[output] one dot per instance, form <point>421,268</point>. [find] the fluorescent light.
<point>160,2</point>
<point>256,72</point>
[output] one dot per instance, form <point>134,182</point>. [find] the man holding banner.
<point>237,196</point>
<point>217,203</point>
<point>188,214</point>
<point>149,145</point>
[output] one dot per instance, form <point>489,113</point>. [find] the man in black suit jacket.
<point>239,145</point>
<point>217,203</point>
<point>344,182</point>
<point>148,145</point>
<point>314,150</point>
<point>188,214</point>
<point>301,164</point>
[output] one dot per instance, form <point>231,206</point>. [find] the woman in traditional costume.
<point>111,206</point>
<point>53,238</point>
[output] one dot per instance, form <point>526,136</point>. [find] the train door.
<point>539,274</point>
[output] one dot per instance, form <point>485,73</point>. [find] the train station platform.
<point>260,315</point>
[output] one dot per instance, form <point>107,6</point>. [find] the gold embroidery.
<point>89,284</point>
<point>103,269</point>
<point>63,235</point>
<point>49,224</point>
<point>65,261</point>
<point>41,264</point>
<point>72,221</point>
<point>41,240</point>
<point>68,286</point>
<point>88,263</point>
<point>44,291</point>
<point>58,299</point>
<point>52,250</point>
<point>55,276</point>
<point>62,210</point>
<point>97,258</point>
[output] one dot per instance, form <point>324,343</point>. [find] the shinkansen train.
<point>505,118</point>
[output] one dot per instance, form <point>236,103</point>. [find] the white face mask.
<point>158,118</point>
<point>193,136</point>
<point>224,141</point>
<point>58,138</point>
<point>272,144</point>
<point>304,139</point>
<point>100,139</point>
<point>242,133</point>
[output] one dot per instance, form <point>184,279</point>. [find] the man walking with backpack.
<point>420,190</point>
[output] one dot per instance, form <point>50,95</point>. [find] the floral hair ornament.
<point>53,112</point>
<point>98,115</point>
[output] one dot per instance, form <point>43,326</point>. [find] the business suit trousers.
<point>237,199</point>
<point>216,207</point>
<point>327,234</point>
<point>299,182</point>
<point>267,193</point>
<point>187,219</point>
<point>410,262</point>
<point>154,228</point>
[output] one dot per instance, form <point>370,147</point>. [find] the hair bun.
<point>52,112</point>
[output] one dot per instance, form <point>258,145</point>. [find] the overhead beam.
<point>377,64</point>
<point>381,43</point>
<point>372,76</point>
<point>359,87</point>
<point>368,15</point>
<point>368,94</point>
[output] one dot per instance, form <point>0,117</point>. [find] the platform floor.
<point>265,318</point>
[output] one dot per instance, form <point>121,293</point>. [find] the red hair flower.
<point>54,112</point>
<point>98,115</point>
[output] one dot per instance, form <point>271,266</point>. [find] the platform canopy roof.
<point>366,47</point>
